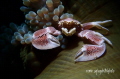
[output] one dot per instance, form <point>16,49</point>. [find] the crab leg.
<point>43,39</point>
<point>97,24</point>
<point>89,51</point>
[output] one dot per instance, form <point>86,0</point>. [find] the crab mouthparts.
<point>70,32</point>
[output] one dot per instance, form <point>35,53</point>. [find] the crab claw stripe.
<point>46,41</point>
<point>43,39</point>
<point>94,37</point>
<point>50,30</point>
<point>90,52</point>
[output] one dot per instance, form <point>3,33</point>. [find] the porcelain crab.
<point>44,38</point>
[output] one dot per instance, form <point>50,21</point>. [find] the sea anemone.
<point>39,14</point>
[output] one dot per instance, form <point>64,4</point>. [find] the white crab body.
<point>44,39</point>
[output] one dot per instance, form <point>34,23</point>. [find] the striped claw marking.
<point>43,39</point>
<point>88,51</point>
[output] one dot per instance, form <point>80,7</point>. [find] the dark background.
<point>10,12</point>
<point>10,63</point>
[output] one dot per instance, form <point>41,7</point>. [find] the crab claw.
<point>94,37</point>
<point>90,52</point>
<point>43,39</point>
